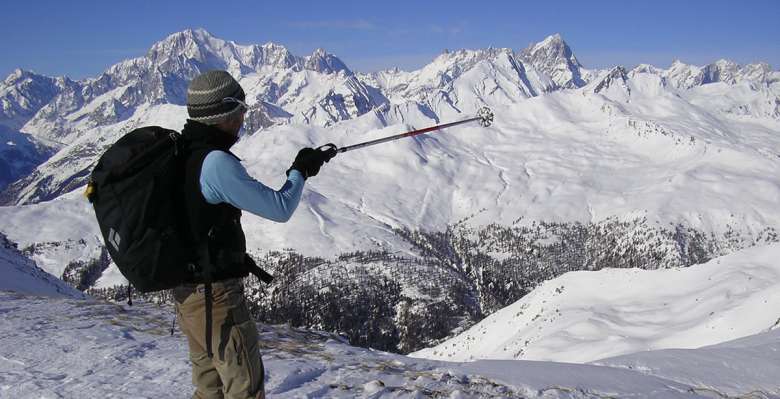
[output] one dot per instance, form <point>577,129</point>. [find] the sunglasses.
<point>235,100</point>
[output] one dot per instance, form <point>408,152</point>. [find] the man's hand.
<point>309,161</point>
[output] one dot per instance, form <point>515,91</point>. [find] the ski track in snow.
<point>423,207</point>
<point>315,199</point>
<point>501,175</point>
<point>485,160</point>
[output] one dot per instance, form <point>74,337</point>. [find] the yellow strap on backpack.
<point>89,192</point>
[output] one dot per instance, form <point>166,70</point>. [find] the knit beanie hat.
<point>211,97</point>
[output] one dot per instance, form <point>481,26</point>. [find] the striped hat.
<point>213,97</point>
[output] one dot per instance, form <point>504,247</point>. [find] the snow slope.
<point>59,231</point>
<point>98,349</point>
<point>20,274</point>
<point>565,156</point>
<point>589,315</point>
<point>733,368</point>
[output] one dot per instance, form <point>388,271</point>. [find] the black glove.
<point>309,161</point>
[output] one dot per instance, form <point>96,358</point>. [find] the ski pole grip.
<point>329,150</point>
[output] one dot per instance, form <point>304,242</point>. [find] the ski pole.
<point>484,116</point>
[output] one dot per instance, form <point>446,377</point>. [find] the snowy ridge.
<point>320,90</point>
<point>585,316</point>
<point>162,75</point>
<point>99,349</point>
<point>735,368</point>
<point>281,88</point>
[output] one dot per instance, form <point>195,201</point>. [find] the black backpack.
<point>136,190</point>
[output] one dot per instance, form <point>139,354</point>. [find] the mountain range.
<point>69,121</point>
<point>583,169</point>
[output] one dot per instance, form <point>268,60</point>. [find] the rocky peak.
<point>201,47</point>
<point>179,43</point>
<point>554,57</point>
<point>271,54</point>
<point>615,76</point>
<point>454,63</point>
<point>20,76</point>
<point>15,76</point>
<point>646,68</point>
<point>725,71</point>
<point>684,76</point>
<point>757,72</point>
<point>553,43</point>
<point>22,94</point>
<point>323,62</point>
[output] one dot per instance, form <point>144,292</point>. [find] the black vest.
<point>214,229</point>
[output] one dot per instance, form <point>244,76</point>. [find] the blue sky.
<point>82,38</point>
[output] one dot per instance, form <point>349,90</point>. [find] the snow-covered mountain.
<point>585,316</point>
<point>553,57</point>
<point>162,75</point>
<point>56,232</point>
<point>458,81</point>
<point>22,95</point>
<point>317,90</point>
<point>82,118</point>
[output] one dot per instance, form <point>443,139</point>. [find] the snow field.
<point>589,315</point>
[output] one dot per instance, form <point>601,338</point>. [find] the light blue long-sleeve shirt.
<point>224,179</point>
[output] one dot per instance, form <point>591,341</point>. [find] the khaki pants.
<point>236,370</point>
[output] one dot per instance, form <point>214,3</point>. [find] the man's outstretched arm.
<point>224,179</point>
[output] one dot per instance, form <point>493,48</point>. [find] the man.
<point>221,334</point>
